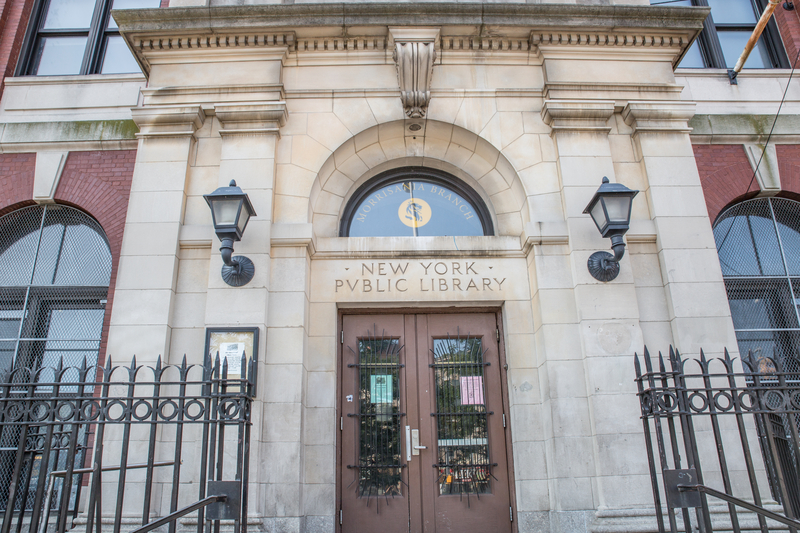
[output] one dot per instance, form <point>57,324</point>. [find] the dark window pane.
<point>19,236</point>
<point>780,346</point>
<point>732,12</point>
<point>118,59</point>
<point>693,57</point>
<point>761,304</point>
<point>69,14</point>
<point>415,208</point>
<point>733,43</point>
<point>74,335</point>
<point>73,251</point>
<point>130,4</point>
<point>787,216</point>
<point>59,55</point>
<point>747,244</point>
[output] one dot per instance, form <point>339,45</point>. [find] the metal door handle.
<point>415,447</point>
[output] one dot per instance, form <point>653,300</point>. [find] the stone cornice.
<point>578,115</point>
<point>251,118</point>
<point>210,20</point>
<point>168,121</point>
<point>300,28</point>
<point>659,117</point>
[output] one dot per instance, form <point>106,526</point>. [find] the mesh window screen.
<point>758,242</point>
<point>55,267</point>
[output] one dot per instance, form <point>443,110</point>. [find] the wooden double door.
<point>423,443</point>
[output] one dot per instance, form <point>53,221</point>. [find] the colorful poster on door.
<point>471,390</point>
<point>380,390</point>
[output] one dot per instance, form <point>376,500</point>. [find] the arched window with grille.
<point>758,242</point>
<point>55,268</point>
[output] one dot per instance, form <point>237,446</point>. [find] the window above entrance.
<point>415,202</point>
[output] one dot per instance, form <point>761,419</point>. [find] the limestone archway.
<point>416,142</point>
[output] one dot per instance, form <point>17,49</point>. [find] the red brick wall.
<point>789,168</point>
<point>14,16</point>
<point>100,183</point>
<point>16,181</point>
<point>789,28</point>
<point>725,174</point>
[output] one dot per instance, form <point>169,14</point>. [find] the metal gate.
<point>705,422</point>
<point>116,446</point>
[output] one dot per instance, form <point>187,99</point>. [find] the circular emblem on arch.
<point>414,212</point>
<point>415,202</point>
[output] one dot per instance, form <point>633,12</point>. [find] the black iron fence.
<point>721,423</point>
<point>116,446</point>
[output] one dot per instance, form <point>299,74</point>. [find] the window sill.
<point>723,73</point>
<point>77,79</point>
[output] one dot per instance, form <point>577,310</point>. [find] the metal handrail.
<point>742,503</point>
<point>61,473</point>
<point>179,513</point>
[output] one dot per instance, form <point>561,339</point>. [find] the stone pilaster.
<point>589,384</point>
<point>141,321</point>
<point>697,302</point>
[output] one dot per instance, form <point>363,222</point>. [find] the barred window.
<point>758,242</point>
<point>55,268</point>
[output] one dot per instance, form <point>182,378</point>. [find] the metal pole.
<point>757,31</point>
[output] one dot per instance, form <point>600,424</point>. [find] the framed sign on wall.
<point>231,344</point>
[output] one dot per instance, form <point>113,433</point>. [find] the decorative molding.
<point>168,121</point>
<point>414,54</point>
<point>670,40</point>
<point>204,42</point>
<point>251,118</point>
<point>662,117</point>
<point>764,162</point>
<point>617,91</point>
<point>47,174</point>
<point>293,236</point>
<point>578,115</point>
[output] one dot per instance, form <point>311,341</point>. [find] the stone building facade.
<point>528,106</point>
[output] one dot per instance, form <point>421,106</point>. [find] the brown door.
<point>423,445</point>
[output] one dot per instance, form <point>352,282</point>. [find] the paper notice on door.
<point>471,390</point>
<point>232,351</point>
<point>380,390</point>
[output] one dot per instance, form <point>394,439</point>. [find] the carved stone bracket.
<point>414,51</point>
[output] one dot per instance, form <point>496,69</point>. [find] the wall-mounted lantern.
<point>231,210</point>
<point>610,208</point>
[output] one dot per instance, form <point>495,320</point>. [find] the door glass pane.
<point>69,14</point>
<point>130,4</point>
<point>117,58</point>
<point>732,12</point>
<point>462,436</point>
<point>59,56</point>
<point>733,42</point>
<point>380,470</point>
